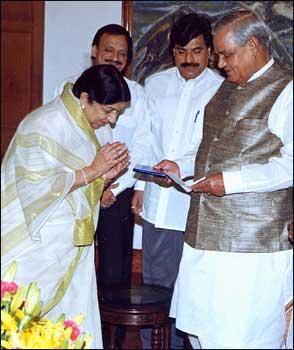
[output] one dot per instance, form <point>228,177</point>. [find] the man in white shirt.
<point>236,273</point>
<point>176,98</point>
<point>112,44</point>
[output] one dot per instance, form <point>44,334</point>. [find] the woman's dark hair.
<point>104,84</point>
<point>188,27</point>
<point>115,29</point>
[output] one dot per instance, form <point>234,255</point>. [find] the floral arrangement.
<point>22,326</point>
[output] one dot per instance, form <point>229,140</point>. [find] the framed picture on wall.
<point>149,23</point>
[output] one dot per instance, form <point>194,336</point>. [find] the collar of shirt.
<point>262,70</point>
<point>183,82</point>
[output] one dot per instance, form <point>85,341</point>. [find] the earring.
<point>83,107</point>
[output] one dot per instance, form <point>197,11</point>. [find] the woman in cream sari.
<point>52,177</point>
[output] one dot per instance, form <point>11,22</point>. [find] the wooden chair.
<point>136,306</point>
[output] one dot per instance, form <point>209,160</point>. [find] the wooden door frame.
<point>127,15</point>
<point>35,28</point>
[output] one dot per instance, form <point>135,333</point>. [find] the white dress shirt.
<point>258,279</point>
<point>132,128</point>
<point>176,109</point>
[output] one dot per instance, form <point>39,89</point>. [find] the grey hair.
<point>245,24</point>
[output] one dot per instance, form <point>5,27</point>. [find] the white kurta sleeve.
<point>278,172</point>
<point>187,164</point>
<point>140,185</point>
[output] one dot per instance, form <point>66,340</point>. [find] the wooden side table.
<point>142,305</point>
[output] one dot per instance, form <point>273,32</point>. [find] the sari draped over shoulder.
<point>43,224</point>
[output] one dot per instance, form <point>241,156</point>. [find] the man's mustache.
<point>186,64</point>
<point>114,62</point>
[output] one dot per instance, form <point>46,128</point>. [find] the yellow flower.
<point>43,335</point>
<point>7,321</point>
<point>19,314</point>
<point>21,326</point>
<point>6,345</point>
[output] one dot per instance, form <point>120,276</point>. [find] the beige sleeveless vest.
<point>236,133</point>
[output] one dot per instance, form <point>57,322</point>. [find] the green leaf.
<point>32,299</point>
<point>61,318</point>
<point>80,341</point>
<point>64,344</point>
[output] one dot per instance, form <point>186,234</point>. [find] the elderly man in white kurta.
<point>235,276</point>
<point>177,98</point>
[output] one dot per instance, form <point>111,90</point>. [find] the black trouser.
<point>115,241</point>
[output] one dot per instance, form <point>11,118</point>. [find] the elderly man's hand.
<point>212,185</point>
<point>167,166</point>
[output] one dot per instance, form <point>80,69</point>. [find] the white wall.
<point>69,29</point>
